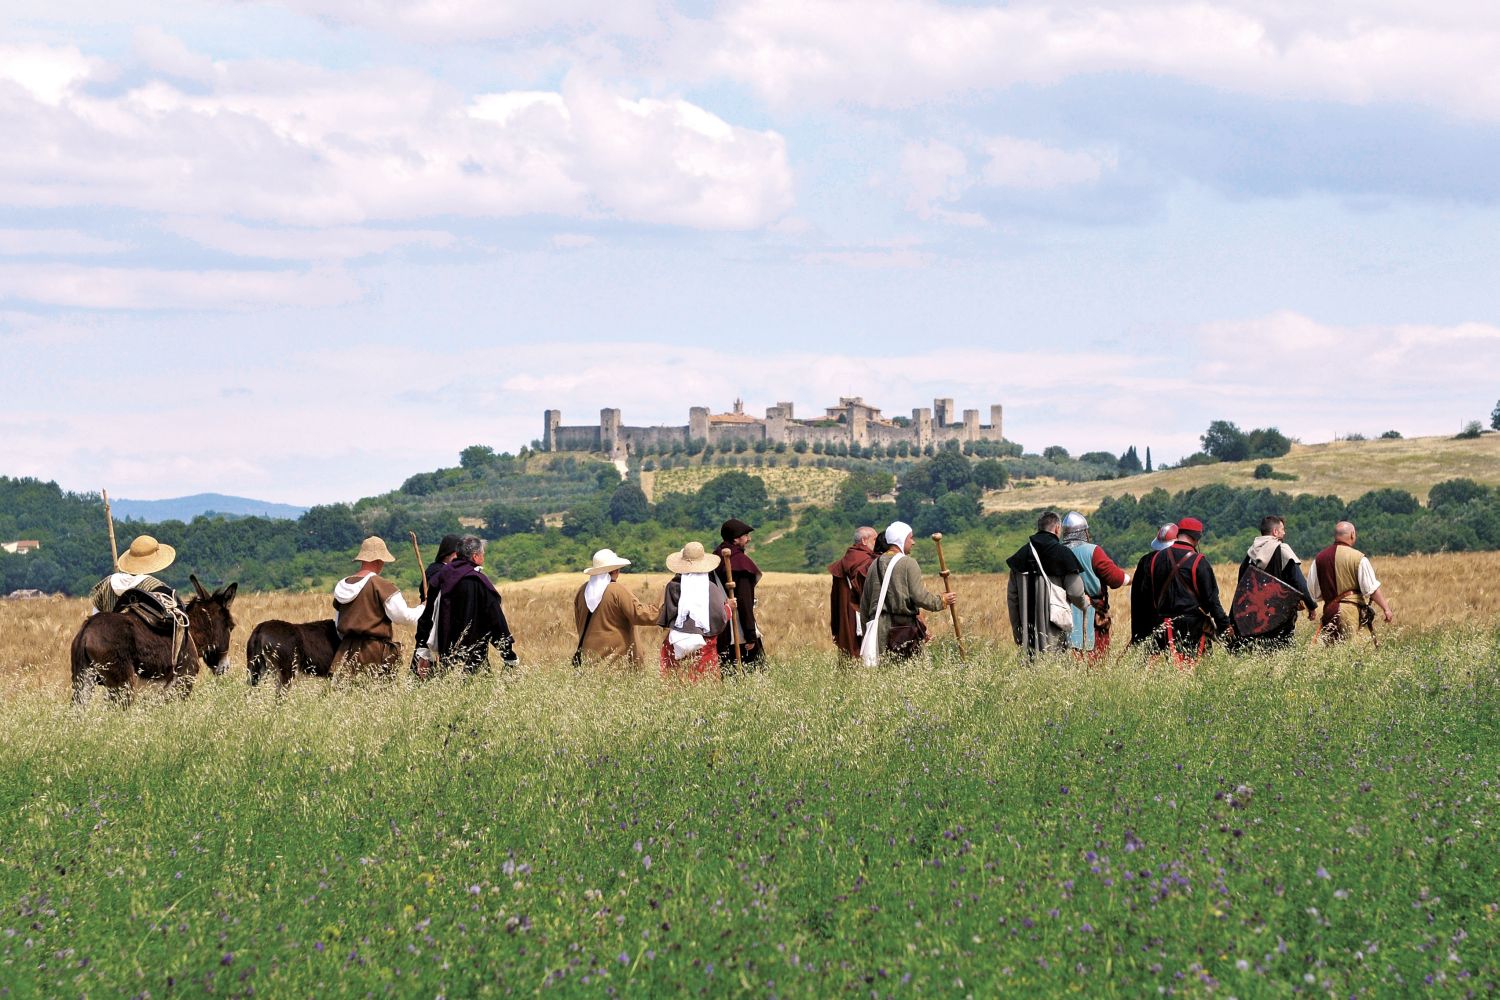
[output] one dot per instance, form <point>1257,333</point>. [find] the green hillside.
<point>1345,469</point>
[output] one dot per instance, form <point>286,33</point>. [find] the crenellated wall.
<point>936,426</point>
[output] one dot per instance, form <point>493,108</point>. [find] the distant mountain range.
<point>187,508</point>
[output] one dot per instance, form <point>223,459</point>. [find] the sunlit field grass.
<point>1320,822</point>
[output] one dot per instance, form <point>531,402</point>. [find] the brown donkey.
<point>119,651</point>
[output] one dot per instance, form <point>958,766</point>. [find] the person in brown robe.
<point>366,606</point>
<point>848,575</point>
<point>606,613</point>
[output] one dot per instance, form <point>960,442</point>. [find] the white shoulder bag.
<point>1059,612</point>
<point>869,646</point>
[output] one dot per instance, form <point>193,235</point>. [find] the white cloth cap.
<point>897,534</point>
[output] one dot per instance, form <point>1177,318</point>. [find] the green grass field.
<point>1307,823</point>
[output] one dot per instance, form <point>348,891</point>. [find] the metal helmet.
<point>1075,527</point>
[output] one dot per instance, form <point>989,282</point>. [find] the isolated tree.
<point>1148,459</point>
<point>628,505</point>
<point>991,474</point>
<point>1471,430</point>
<point>1056,453</point>
<point>476,456</point>
<point>1495,417</point>
<point>1226,442</point>
<point>1268,442</point>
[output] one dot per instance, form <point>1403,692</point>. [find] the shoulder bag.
<point>1059,612</point>
<point>869,645</point>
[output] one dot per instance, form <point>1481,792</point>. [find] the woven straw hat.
<point>147,555</point>
<point>374,550</point>
<point>692,559</point>
<point>605,561</point>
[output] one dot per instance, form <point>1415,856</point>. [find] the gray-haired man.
<point>469,618</point>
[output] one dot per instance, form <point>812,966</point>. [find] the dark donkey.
<point>118,650</point>
<point>289,648</point>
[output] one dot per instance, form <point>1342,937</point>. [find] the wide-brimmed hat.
<point>147,555</point>
<point>692,559</point>
<point>605,561</point>
<point>373,550</point>
<point>1164,538</point>
<point>734,528</point>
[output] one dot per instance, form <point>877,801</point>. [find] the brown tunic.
<point>367,637</point>
<point>611,632</point>
<point>843,601</point>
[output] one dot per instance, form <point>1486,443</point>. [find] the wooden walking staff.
<point>937,538</point>
<point>734,626</point>
<point>114,549</point>
<point>420,571</point>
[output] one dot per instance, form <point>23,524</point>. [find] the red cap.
<point>1190,524</point>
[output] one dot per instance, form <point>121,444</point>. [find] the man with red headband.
<point>1184,595</point>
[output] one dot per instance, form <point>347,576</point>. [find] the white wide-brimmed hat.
<point>605,561</point>
<point>373,550</point>
<point>147,555</point>
<point>692,559</point>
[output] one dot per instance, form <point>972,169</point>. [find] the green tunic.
<point>904,598</point>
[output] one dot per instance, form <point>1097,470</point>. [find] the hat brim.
<point>707,564</point>
<point>607,567</point>
<point>384,556</point>
<point>159,560</point>
<point>1157,544</point>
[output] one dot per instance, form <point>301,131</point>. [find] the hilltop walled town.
<point>853,422</point>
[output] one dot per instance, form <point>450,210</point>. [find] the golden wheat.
<point>1425,591</point>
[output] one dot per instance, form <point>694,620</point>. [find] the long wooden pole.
<point>734,624</point>
<point>422,573</point>
<point>937,537</point>
<point>114,548</point>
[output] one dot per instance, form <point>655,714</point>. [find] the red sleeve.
<point>1105,569</point>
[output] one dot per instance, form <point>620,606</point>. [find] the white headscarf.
<point>593,591</point>
<point>897,534</point>
<point>693,600</point>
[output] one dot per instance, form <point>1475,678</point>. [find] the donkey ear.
<point>202,594</point>
<point>227,594</point>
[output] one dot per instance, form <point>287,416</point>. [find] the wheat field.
<point>1426,592</point>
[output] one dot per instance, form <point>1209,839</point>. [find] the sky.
<point>302,249</point>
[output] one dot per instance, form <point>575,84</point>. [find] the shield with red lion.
<point>1262,604</point>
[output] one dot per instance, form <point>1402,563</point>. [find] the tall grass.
<point>1307,822</point>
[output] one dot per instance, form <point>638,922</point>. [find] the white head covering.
<point>693,600</point>
<point>897,534</point>
<point>593,591</point>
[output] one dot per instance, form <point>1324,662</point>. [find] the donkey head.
<point>210,624</point>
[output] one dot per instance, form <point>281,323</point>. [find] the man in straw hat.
<point>606,614</point>
<point>366,606</point>
<point>132,579</point>
<point>695,612</point>
<point>133,590</point>
<point>900,630</point>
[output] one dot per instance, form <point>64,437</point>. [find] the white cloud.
<point>329,244</point>
<point>298,145</point>
<point>938,174</point>
<point>1027,164</point>
<point>895,53</point>
<point>55,242</point>
<point>77,287</point>
<point>465,20</point>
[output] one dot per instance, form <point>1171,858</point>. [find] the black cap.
<point>734,528</point>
